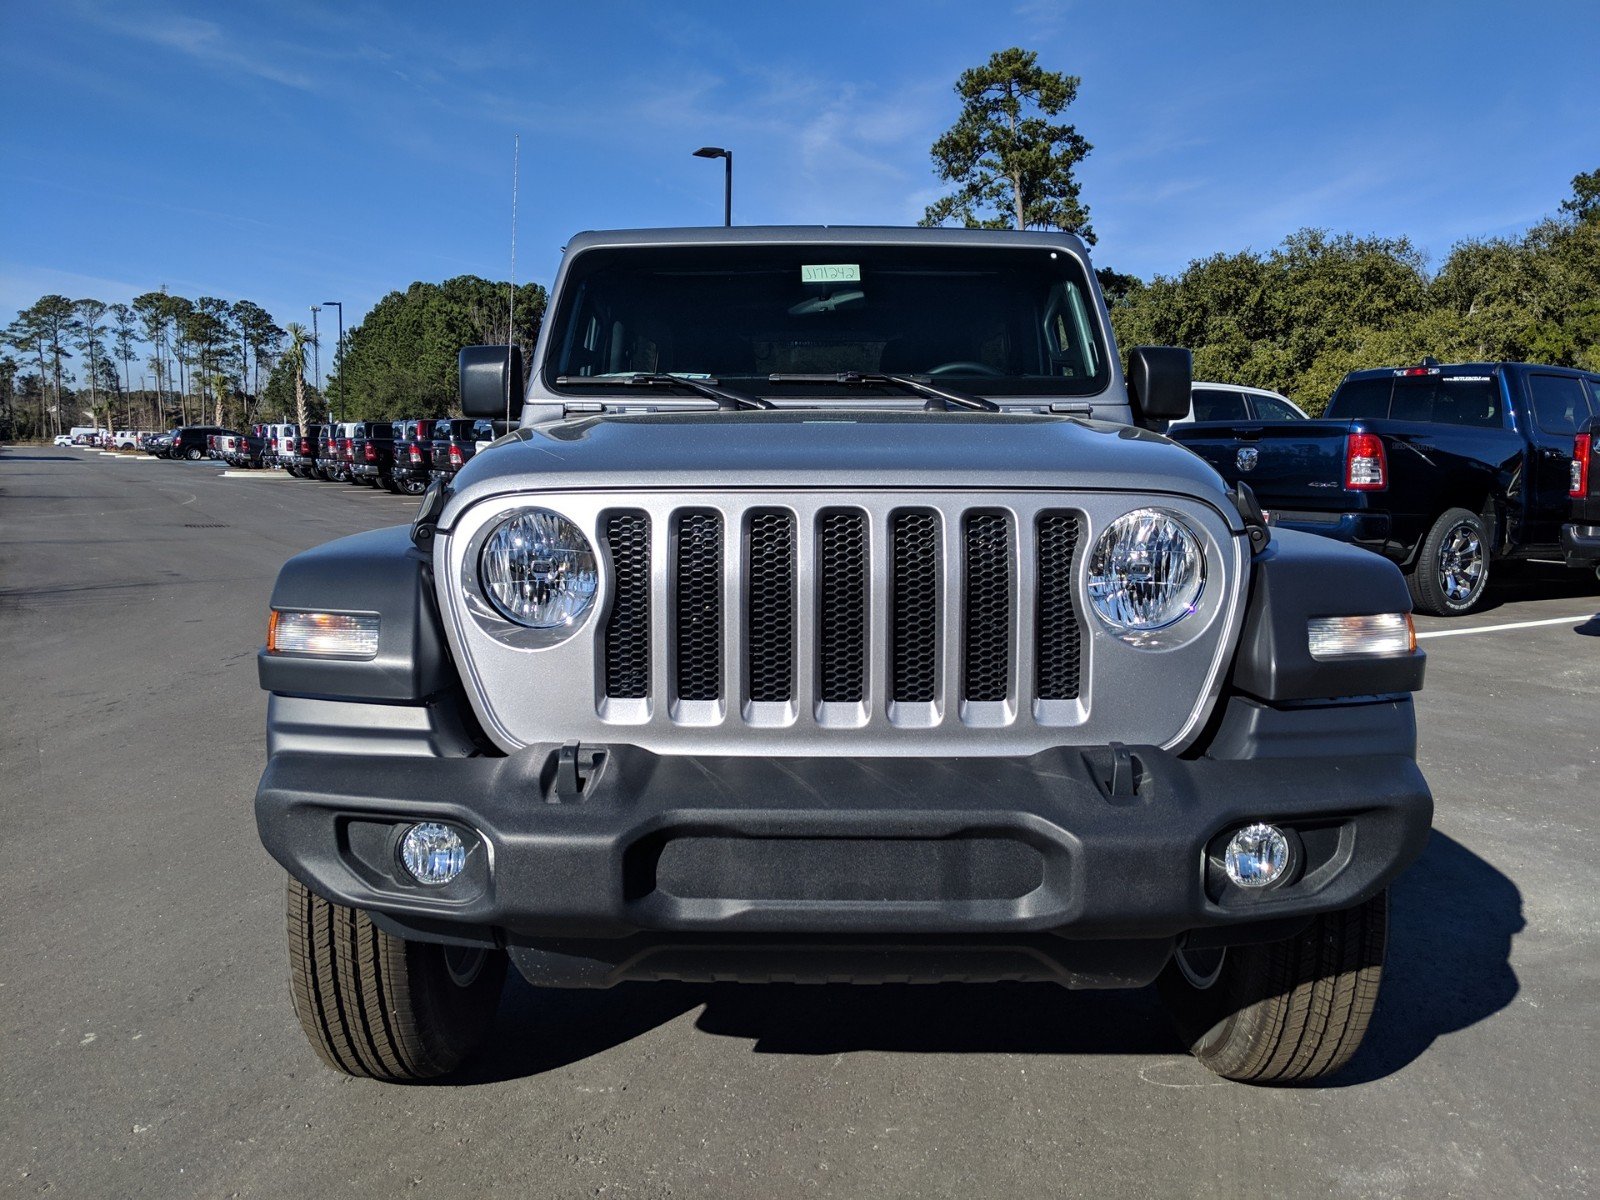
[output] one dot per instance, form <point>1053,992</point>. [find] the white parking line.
<point>1432,633</point>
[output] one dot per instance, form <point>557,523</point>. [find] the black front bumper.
<point>615,842</point>
<point>1581,544</point>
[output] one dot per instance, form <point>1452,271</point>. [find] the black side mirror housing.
<point>1159,380</point>
<point>491,380</point>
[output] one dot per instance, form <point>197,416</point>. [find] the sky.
<point>292,153</point>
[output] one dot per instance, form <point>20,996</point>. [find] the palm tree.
<point>300,341</point>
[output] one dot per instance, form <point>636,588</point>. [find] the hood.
<point>832,449</point>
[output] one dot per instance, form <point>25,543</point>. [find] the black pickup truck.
<point>1444,469</point>
<point>1580,536</point>
<point>372,453</point>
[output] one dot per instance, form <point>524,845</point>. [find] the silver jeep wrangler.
<point>838,612</point>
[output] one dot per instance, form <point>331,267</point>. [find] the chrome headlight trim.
<point>491,615</point>
<point>1168,629</point>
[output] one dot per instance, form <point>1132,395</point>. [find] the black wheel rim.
<point>1461,564</point>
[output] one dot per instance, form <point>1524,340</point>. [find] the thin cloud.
<point>206,42</point>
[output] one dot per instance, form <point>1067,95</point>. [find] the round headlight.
<point>539,570</point>
<point>1146,573</point>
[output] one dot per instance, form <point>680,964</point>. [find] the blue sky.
<point>292,152</point>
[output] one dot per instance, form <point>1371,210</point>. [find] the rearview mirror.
<point>491,380</point>
<point>1159,378</point>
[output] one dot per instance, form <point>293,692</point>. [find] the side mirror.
<point>1159,378</point>
<point>491,380</point>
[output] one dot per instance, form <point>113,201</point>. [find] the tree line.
<point>1297,317</point>
<point>76,359</point>
<point>164,359</point>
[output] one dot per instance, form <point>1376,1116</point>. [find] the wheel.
<point>1452,567</point>
<point>413,487</point>
<point>380,1007</point>
<point>1284,1012</point>
<point>193,454</point>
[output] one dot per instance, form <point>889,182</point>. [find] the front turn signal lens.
<point>323,635</point>
<point>1384,635</point>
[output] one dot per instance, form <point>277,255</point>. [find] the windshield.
<point>1007,322</point>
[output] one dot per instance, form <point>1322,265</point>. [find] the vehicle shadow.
<point>1537,581</point>
<point>1452,919</point>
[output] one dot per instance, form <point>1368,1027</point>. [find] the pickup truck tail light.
<point>1582,449</point>
<point>456,459</point>
<point>349,448</point>
<point>415,454</point>
<point>1366,468</point>
<point>371,452</point>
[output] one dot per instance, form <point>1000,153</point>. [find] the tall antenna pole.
<point>511,308</point>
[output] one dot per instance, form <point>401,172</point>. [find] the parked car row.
<point>398,456</point>
<point>1445,469</point>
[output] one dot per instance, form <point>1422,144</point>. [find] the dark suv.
<point>190,441</point>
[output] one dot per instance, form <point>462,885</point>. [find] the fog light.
<point>1257,856</point>
<point>432,853</point>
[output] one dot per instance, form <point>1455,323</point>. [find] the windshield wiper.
<point>944,398</point>
<point>726,398</point>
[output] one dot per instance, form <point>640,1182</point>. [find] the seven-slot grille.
<point>782,634</point>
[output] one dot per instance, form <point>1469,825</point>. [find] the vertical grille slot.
<point>627,650</point>
<point>698,594</point>
<point>1057,647</point>
<point>842,607</point>
<point>914,608</point>
<point>770,601</point>
<point>987,585</point>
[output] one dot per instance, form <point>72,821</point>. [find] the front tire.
<point>1452,568</point>
<point>194,454</point>
<point>1289,1012</point>
<point>380,1007</point>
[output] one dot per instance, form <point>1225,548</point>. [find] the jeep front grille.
<point>698,596</point>
<point>834,638</point>
<point>812,620</point>
<point>770,611</point>
<point>914,607</point>
<point>627,661</point>
<point>842,607</point>
<point>986,633</point>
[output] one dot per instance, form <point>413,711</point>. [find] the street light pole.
<point>727,177</point>
<point>316,357</point>
<point>340,307</point>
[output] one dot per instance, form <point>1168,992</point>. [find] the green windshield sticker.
<point>830,273</point>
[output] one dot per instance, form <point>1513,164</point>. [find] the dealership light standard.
<point>340,307</point>
<point>727,177</point>
<point>316,356</point>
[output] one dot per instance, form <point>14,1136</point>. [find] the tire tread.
<point>374,1005</point>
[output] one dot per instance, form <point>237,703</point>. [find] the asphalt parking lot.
<point>149,1048</point>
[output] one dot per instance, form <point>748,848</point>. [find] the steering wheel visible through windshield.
<point>996,320</point>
